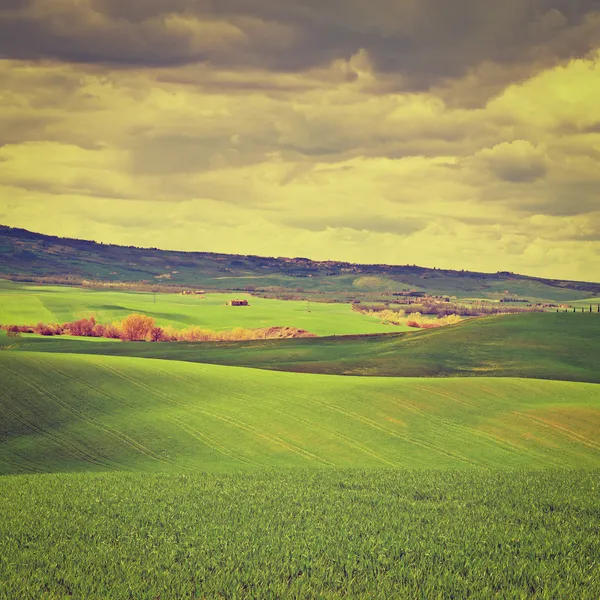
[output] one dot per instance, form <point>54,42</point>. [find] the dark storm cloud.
<point>79,187</point>
<point>424,41</point>
<point>17,129</point>
<point>515,171</point>
<point>595,128</point>
<point>15,4</point>
<point>175,153</point>
<point>550,198</point>
<point>574,198</point>
<point>178,153</point>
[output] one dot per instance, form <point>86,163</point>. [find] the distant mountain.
<point>25,255</point>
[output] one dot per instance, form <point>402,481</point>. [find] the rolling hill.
<point>457,467</point>
<point>22,303</point>
<point>64,412</point>
<point>27,255</point>
<point>146,474</point>
<point>563,346</point>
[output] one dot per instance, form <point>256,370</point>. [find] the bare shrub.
<point>136,327</point>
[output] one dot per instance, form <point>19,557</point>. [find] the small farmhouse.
<point>238,303</point>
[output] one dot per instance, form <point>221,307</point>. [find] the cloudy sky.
<point>447,133</point>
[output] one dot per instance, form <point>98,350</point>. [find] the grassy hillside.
<point>140,470</point>
<point>27,254</point>
<point>124,477</point>
<point>301,534</point>
<point>28,304</point>
<point>539,345</point>
<point>80,413</point>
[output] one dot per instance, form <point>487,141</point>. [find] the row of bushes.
<point>411,319</point>
<point>472,310</point>
<point>81,328</point>
<point>136,327</point>
<point>445,309</point>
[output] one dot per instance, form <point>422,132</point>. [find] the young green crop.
<point>301,534</point>
<point>24,304</point>
<point>64,412</point>
<point>540,345</point>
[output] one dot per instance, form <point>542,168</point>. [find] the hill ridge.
<point>536,345</point>
<point>29,254</point>
<point>82,413</point>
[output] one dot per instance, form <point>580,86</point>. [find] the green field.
<point>22,304</point>
<point>466,464</point>
<point>301,534</point>
<point>585,303</point>
<point>79,413</point>
<point>539,345</point>
<point>181,480</point>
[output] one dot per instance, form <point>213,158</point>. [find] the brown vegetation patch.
<point>136,327</point>
<point>283,332</point>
